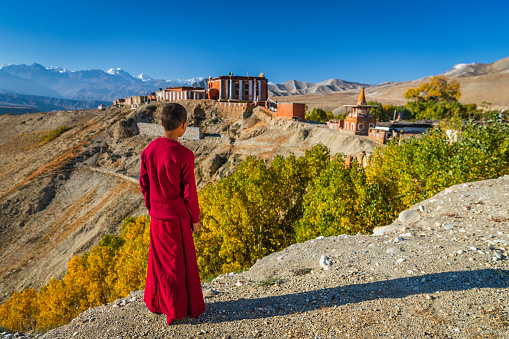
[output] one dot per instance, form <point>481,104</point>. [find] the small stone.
<point>400,261</point>
<point>239,283</point>
<point>471,259</point>
<point>410,272</point>
<point>422,208</point>
<point>75,333</point>
<point>497,255</point>
<point>473,248</point>
<point>325,262</point>
<point>460,252</point>
<point>448,226</point>
<point>210,293</point>
<point>496,259</point>
<point>392,250</point>
<point>408,216</point>
<point>320,237</point>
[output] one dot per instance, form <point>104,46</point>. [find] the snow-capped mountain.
<point>91,84</point>
<point>144,77</point>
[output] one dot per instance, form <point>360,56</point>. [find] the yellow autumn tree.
<point>439,89</point>
<point>129,270</point>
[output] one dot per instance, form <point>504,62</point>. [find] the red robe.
<point>168,185</point>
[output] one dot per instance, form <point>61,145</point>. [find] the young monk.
<point>167,182</point>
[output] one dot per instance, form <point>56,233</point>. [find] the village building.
<point>359,120</point>
<point>101,107</point>
<point>119,102</point>
<point>181,93</point>
<point>290,110</point>
<point>401,129</point>
<point>238,89</point>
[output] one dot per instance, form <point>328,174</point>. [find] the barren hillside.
<point>479,82</point>
<point>58,199</point>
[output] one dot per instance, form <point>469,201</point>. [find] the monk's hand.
<point>195,227</point>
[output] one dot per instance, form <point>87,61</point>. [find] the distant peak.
<point>459,66</point>
<point>114,71</point>
<point>57,69</point>
<point>144,77</point>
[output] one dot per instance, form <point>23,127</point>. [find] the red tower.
<point>358,119</point>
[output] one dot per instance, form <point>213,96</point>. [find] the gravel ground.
<point>439,271</point>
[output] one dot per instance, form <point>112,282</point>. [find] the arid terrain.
<point>58,199</point>
<point>479,82</point>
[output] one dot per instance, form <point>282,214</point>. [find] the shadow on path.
<point>342,295</point>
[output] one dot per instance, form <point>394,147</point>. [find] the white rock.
<point>400,261</point>
<point>497,255</point>
<point>473,248</point>
<point>408,216</point>
<point>448,226</point>
<point>422,208</point>
<point>325,262</point>
<point>392,250</point>
<point>320,237</point>
<point>410,272</point>
<point>460,252</point>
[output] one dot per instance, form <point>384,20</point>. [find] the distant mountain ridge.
<point>80,85</point>
<point>295,87</point>
<point>23,103</point>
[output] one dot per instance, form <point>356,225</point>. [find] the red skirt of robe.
<point>173,284</point>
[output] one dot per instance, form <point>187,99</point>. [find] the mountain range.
<point>85,87</point>
<point>29,88</point>
<point>479,82</point>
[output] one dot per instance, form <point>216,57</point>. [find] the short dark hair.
<point>172,116</point>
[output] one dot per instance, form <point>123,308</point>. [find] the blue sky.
<point>363,41</point>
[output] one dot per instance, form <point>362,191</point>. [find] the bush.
<point>50,135</point>
<point>319,115</point>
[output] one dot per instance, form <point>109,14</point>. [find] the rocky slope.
<point>440,271</point>
<point>58,199</point>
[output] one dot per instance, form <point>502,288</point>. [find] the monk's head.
<point>173,116</point>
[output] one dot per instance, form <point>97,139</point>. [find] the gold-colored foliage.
<point>438,89</point>
<point>50,135</point>
<point>251,213</point>
<point>113,268</point>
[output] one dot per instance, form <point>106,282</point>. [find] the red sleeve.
<point>144,181</point>
<point>189,184</point>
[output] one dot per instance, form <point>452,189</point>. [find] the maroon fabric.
<point>173,283</point>
<point>167,180</point>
